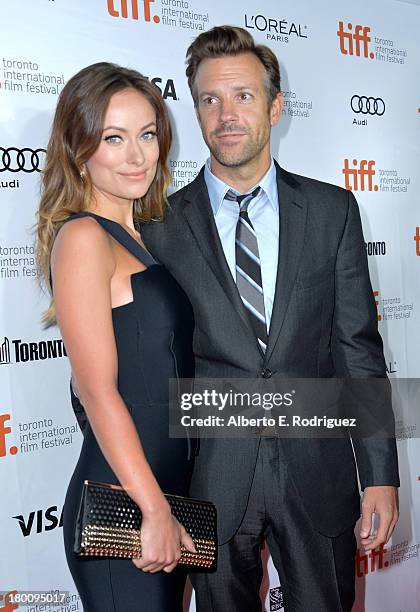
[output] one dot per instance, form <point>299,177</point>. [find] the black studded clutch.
<point>109,525</point>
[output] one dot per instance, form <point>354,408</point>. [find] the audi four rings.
<point>25,160</point>
<point>367,106</point>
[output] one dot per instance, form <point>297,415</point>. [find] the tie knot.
<point>242,199</point>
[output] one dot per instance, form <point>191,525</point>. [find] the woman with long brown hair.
<point>126,323</point>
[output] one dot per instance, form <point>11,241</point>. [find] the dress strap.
<point>121,235</point>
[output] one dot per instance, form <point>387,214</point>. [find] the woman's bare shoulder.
<point>83,241</point>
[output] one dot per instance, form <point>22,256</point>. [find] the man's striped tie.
<point>248,266</point>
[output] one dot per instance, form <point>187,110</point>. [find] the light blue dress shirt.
<point>264,214</point>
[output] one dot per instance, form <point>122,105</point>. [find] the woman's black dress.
<point>153,336</point>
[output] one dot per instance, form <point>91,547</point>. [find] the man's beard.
<point>237,154</point>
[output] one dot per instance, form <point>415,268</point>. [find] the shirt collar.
<point>217,188</point>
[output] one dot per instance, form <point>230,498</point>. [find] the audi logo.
<point>367,106</point>
<point>25,160</point>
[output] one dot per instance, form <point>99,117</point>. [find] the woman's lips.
<point>134,175</point>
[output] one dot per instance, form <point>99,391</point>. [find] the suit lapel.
<point>199,216</point>
<point>293,212</point>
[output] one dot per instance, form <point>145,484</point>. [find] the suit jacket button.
<point>266,373</point>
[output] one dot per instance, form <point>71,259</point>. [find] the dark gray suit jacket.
<point>324,324</point>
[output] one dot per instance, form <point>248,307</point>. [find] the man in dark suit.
<point>275,267</point>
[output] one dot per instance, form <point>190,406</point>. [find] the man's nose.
<point>228,111</point>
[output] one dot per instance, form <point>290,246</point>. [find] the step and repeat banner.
<point>350,77</point>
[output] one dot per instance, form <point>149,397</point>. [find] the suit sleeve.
<point>358,350</point>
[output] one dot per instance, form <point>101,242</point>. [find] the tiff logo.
<point>379,316</point>
<point>4,431</point>
<point>417,241</point>
<point>355,178</point>
<point>5,351</point>
<point>377,561</point>
<point>8,605</point>
<point>354,43</point>
<point>135,12</point>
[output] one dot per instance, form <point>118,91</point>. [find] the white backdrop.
<point>350,75</point>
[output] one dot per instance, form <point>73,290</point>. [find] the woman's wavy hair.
<point>75,135</point>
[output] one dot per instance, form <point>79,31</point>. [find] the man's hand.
<point>383,500</point>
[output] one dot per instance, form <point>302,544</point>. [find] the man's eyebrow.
<point>235,88</point>
<point>244,86</point>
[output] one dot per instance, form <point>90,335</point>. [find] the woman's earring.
<point>82,174</point>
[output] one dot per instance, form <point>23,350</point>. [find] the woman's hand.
<point>161,539</point>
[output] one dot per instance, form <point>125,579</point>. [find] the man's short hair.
<point>223,41</point>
